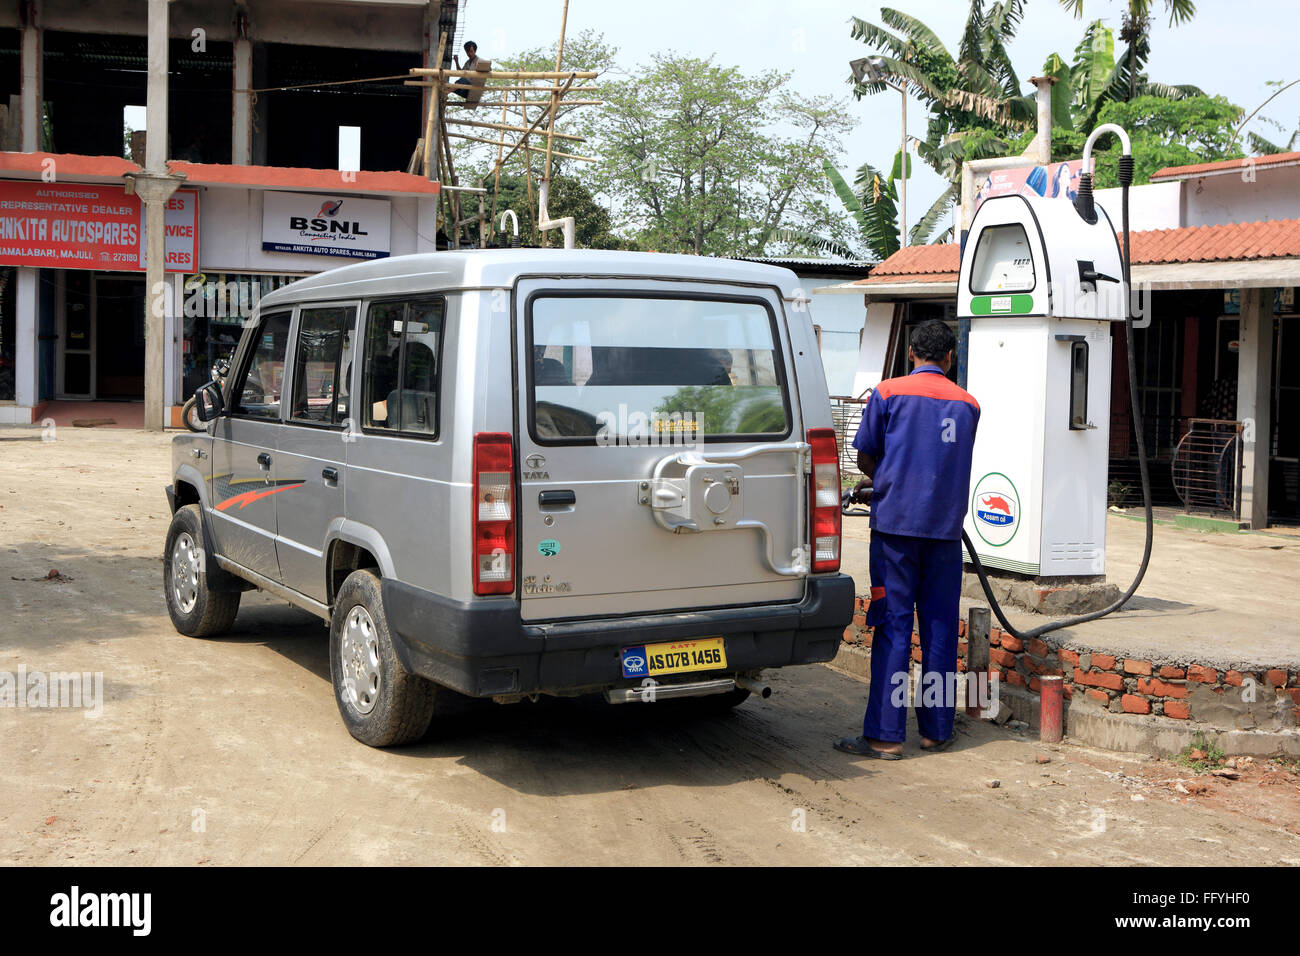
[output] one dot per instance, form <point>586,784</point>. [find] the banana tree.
<point>1127,81</point>
<point>974,100</point>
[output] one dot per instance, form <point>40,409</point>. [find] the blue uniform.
<point>921,431</point>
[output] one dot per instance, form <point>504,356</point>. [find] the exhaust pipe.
<point>761,688</point>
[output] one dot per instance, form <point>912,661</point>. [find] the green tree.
<point>1128,82</point>
<point>695,159</point>
<point>569,197</point>
<point>1163,132</point>
<point>973,98</point>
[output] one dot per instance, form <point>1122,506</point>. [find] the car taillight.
<point>824,499</point>
<point>494,513</point>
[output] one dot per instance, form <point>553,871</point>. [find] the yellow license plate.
<point>676,657</point>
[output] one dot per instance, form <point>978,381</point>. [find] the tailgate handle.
<point>556,499</point>
<point>330,474</point>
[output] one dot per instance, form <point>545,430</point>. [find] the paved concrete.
<point>1223,600</point>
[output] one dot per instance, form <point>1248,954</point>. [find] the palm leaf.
<point>877,37</point>
<point>1171,92</point>
<point>846,195</point>
<point>817,243</point>
<point>897,173</point>
<point>922,231</point>
<point>921,86</point>
<point>1005,16</point>
<point>972,36</point>
<point>1094,61</point>
<point>877,197</point>
<point>916,31</point>
<point>1062,95</point>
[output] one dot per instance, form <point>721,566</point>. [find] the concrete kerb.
<point>1118,701</point>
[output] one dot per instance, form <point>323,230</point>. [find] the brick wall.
<point>1120,684</point>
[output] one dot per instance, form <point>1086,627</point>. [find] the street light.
<point>870,69</point>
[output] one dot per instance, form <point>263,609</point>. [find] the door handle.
<point>557,498</point>
<point>264,460</point>
<point>330,474</point>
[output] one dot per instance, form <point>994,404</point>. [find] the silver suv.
<point>511,473</point>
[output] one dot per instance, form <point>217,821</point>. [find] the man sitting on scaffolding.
<point>473,88</point>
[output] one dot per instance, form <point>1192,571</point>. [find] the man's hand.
<point>862,490</point>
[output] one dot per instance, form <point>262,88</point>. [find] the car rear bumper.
<point>482,648</point>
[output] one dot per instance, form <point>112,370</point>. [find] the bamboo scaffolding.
<point>544,104</point>
<point>508,74</point>
<point>434,96</point>
<point>503,89</point>
<point>510,129</point>
<point>530,149</point>
<point>511,139</point>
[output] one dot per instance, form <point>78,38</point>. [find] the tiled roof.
<point>934,263</point>
<point>1231,242</point>
<point>1224,166</point>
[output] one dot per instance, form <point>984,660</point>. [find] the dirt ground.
<point>230,751</point>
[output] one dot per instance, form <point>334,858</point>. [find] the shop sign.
<point>82,226</point>
<point>325,225</point>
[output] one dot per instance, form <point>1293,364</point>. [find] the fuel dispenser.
<point>1043,281</point>
<point>1041,286</point>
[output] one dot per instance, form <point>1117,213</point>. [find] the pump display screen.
<point>1003,262</point>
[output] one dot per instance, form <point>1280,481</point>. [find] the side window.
<point>257,392</point>
<point>322,362</point>
<point>400,388</point>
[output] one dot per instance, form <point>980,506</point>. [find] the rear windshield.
<point>654,370</point>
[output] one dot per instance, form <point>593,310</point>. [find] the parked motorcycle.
<point>189,414</point>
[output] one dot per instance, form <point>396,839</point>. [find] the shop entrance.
<point>101,336</point>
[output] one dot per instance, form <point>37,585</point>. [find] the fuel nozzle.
<point>1083,203</point>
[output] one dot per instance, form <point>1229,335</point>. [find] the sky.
<point>1231,48</point>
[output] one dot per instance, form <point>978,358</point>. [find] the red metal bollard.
<point>1049,714</point>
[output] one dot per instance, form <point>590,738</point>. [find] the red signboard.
<point>77,226</point>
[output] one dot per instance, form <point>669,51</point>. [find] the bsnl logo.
<point>326,221</point>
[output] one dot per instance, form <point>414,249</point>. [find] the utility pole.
<point>155,185</point>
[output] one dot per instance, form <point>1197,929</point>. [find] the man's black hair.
<point>933,340</point>
<point>471,43</point>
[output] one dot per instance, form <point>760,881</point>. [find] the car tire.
<point>381,703</point>
<point>195,610</point>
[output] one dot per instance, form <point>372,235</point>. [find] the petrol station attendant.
<point>914,446</point>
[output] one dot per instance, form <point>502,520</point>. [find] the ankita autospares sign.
<point>324,225</point>
<point>76,226</point>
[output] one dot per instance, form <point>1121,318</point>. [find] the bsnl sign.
<point>324,225</point>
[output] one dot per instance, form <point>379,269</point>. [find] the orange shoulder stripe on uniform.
<point>926,385</point>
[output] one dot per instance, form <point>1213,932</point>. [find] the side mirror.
<point>208,404</point>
